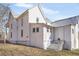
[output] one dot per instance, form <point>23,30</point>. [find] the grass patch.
<point>20,50</point>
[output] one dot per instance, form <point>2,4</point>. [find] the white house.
<point>34,29</point>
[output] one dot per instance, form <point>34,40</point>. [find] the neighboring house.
<point>34,29</point>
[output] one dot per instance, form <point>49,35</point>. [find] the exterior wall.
<point>25,28</point>
<point>35,13</point>
<point>74,36</point>
<point>36,38</point>
<point>16,30</point>
<point>64,33</point>
<point>13,29</point>
<point>52,33</point>
<point>67,37</point>
<point>29,38</point>
<point>46,37</point>
<point>59,33</point>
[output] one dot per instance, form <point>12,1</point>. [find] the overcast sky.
<point>52,11</point>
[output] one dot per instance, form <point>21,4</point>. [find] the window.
<point>37,20</point>
<point>21,22</point>
<point>11,34</point>
<point>11,26</point>
<point>21,33</point>
<point>37,29</point>
<point>33,29</point>
<point>0,35</point>
<point>50,29</point>
<point>72,30</point>
<point>47,29</point>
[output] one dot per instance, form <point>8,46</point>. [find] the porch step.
<point>56,45</point>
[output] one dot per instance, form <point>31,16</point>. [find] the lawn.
<point>21,50</point>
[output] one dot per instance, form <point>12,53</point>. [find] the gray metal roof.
<point>67,21</point>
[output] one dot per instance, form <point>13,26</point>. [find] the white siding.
<point>14,32</point>
<point>64,33</point>
<point>36,38</point>
<point>46,37</point>
<point>67,37</point>
<point>13,29</point>
<point>74,36</point>
<point>35,13</point>
<point>25,28</point>
<point>59,33</point>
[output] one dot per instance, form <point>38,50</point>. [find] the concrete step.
<point>56,45</point>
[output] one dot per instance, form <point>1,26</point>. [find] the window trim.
<point>21,33</point>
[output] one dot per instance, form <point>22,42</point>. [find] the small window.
<point>11,34</point>
<point>37,20</point>
<point>72,30</point>
<point>37,29</point>
<point>21,33</point>
<point>33,29</point>
<point>0,35</point>
<point>47,29</point>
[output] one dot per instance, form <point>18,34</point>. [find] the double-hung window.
<point>36,29</point>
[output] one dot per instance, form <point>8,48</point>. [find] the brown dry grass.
<point>20,50</point>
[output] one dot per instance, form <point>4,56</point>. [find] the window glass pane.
<point>37,29</point>
<point>21,33</point>
<point>33,29</point>
<point>11,34</point>
<point>37,20</point>
<point>0,35</point>
<point>47,29</point>
<point>72,30</point>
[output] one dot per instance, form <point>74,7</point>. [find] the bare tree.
<point>4,17</point>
